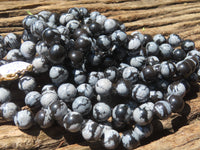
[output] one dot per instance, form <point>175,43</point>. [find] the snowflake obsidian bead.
<point>143,114</point>
<point>162,109</point>
<point>110,139</point>
<point>140,93</point>
<point>23,119</point>
<point>92,131</point>
<point>67,92</point>
<point>129,141</point>
<point>101,111</point>
<point>5,95</point>
<point>82,105</point>
<point>8,110</point>
<point>43,118</point>
<point>73,121</point>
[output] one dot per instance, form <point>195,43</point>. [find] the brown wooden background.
<point>181,131</point>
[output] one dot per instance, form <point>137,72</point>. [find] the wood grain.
<point>181,131</point>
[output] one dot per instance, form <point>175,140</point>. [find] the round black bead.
<point>148,74</point>
<point>188,45</point>
<point>57,53</point>
<point>177,103</point>
<point>179,54</point>
<point>76,57</point>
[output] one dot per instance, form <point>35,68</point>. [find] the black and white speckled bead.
<point>37,27</point>
<point>74,11</point>
<point>110,25</point>
<point>23,119</point>
<point>162,109</point>
<point>121,113</point>
<point>91,131</point>
<point>73,121</point>
<point>48,87</point>
<point>130,74</point>
<point>8,110</point>
<point>103,86</point>
<point>138,35</point>
<point>94,14</point>
<point>42,48</point>
<point>193,63</point>
<point>188,45</point>
<point>167,69</point>
<point>32,99</point>
<point>129,141</point>
<point>43,118</point>
<point>27,49</point>
<point>83,12</point>
<point>155,96</point>
<point>166,50</point>
<point>72,25</point>
<point>122,87</point>
<point>27,83</point>
<point>44,14</point>
<point>174,40</point>
<point>103,42</point>
<point>82,105</point>
<point>111,73</point>
<point>48,97</point>
<point>152,49</point>
<point>152,60</point>
<point>58,74</point>
<point>119,37</point>
<point>5,95</point>
<point>58,110</point>
<point>11,41</point>
<point>143,131</point>
<point>79,76</point>
<point>65,18</point>
<point>137,61</point>
<point>40,64</point>
<point>94,77</point>
<point>14,55</point>
<point>140,93</point>
<point>159,39</point>
<point>111,139</point>
<point>177,103</point>
<point>101,111</point>
<point>27,36</point>
<point>134,45</point>
<point>28,21</point>
<point>143,114</point>
<point>194,58</point>
<point>176,88</point>
<point>67,92</point>
<point>100,19</point>
<point>85,90</point>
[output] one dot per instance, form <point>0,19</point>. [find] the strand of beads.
<point>84,72</point>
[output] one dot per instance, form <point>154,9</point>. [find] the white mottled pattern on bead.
<point>134,44</point>
<point>103,86</point>
<point>67,92</point>
<point>111,139</point>
<point>48,98</point>
<point>23,119</point>
<point>9,109</point>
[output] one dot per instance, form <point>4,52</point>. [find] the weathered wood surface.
<point>181,131</point>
